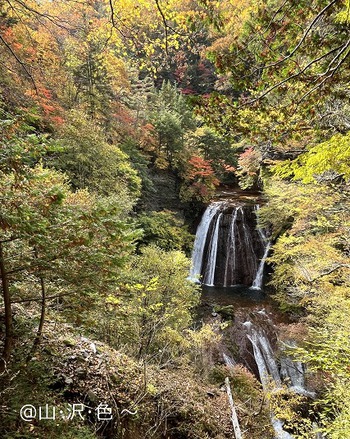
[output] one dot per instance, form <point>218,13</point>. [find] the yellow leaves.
<point>233,16</point>
<point>205,337</point>
<point>161,163</point>
<point>149,29</point>
<point>112,300</point>
<point>313,258</point>
<point>344,15</point>
<point>151,389</point>
<point>286,405</point>
<point>324,161</point>
<point>115,69</point>
<point>310,257</point>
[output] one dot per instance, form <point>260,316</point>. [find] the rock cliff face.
<point>162,193</point>
<point>229,248</point>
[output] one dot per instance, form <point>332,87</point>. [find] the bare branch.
<point>335,58</point>
<point>57,21</point>
<point>165,26</point>
<point>39,299</point>
<point>330,271</point>
<point>301,41</point>
<point>112,13</point>
<point>20,62</point>
<point>295,75</point>
<point>333,71</point>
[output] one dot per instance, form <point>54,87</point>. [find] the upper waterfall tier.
<point>229,249</point>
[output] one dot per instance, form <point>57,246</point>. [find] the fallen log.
<point>234,418</point>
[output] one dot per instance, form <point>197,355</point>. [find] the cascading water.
<point>264,358</point>
<point>257,283</point>
<point>209,274</point>
<point>229,249</point>
<point>272,373</point>
<point>199,243</point>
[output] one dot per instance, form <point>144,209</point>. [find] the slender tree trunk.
<point>8,342</point>
<point>42,314</point>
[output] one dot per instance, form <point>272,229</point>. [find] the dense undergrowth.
<point>147,398</point>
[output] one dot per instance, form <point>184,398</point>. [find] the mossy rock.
<point>226,312</point>
<point>70,342</point>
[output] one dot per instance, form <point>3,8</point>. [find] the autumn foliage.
<point>200,180</point>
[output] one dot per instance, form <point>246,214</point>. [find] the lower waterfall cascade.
<point>272,373</point>
<point>229,248</point>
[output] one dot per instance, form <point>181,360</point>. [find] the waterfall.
<point>293,373</point>
<point>228,361</point>
<point>268,370</point>
<point>277,425</point>
<point>213,249</point>
<point>288,371</point>
<point>257,283</point>
<point>200,240</point>
<point>264,358</point>
<point>271,374</point>
<point>229,249</point>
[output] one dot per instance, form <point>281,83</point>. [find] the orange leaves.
<point>49,106</point>
<point>249,161</point>
<point>201,169</point>
<point>46,93</point>
<point>228,168</point>
<point>200,180</point>
<point>249,168</point>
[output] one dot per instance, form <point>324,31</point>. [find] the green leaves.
<point>93,163</point>
<point>165,230</point>
<point>154,303</point>
<point>324,162</point>
<point>312,267</point>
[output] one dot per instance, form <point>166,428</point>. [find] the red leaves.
<point>201,169</point>
<point>49,107</point>
<point>200,179</point>
<point>46,93</point>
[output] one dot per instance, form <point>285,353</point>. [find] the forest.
<point>174,219</point>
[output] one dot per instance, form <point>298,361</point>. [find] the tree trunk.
<point>42,314</point>
<point>8,342</point>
